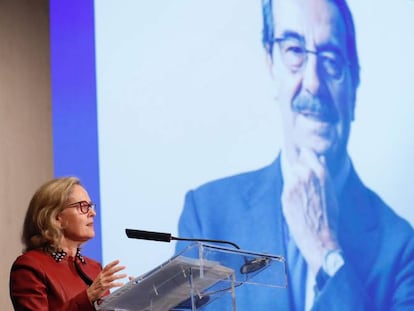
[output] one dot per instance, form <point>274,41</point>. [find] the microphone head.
<point>148,235</point>
<point>254,265</point>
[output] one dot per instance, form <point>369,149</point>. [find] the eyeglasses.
<point>83,206</point>
<point>295,55</point>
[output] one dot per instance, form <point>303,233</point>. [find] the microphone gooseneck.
<point>249,266</point>
<point>207,240</point>
<point>167,237</point>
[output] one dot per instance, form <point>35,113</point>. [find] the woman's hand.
<point>105,280</point>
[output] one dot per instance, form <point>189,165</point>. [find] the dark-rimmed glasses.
<point>83,206</point>
<point>295,55</point>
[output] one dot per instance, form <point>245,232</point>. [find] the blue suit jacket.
<point>378,245</point>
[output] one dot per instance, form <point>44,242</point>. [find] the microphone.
<point>249,266</point>
<point>148,235</point>
<point>167,237</point>
<point>254,264</point>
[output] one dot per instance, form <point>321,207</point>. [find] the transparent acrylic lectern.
<point>197,276</point>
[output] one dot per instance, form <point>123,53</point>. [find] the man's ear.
<point>353,105</point>
<point>269,63</point>
<point>273,77</point>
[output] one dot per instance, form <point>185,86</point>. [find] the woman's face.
<point>77,227</point>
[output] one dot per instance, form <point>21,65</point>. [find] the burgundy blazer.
<point>40,283</point>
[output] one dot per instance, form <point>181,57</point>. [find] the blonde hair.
<point>40,229</point>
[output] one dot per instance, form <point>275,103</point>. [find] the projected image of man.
<point>345,248</point>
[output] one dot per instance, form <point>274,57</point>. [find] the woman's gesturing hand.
<point>106,280</point>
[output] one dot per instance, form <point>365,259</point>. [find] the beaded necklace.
<point>59,255</point>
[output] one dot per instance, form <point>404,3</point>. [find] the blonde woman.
<point>52,274</point>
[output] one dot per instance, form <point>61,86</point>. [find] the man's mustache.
<point>317,107</point>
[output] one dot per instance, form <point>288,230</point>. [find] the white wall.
<point>26,159</point>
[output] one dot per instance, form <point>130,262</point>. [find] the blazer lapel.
<point>357,224</point>
<point>265,209</point>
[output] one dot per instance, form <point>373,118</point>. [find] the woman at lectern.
<point>52,274</point>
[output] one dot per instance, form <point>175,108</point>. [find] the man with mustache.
<point>345,248</point>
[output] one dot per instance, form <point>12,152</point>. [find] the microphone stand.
<point>249,266</point>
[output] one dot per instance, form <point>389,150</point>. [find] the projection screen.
<point>184,96</point>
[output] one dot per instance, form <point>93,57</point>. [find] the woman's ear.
<point>58,221</point>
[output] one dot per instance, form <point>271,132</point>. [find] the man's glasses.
<point>83,206</point>
<point>295,55</point>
